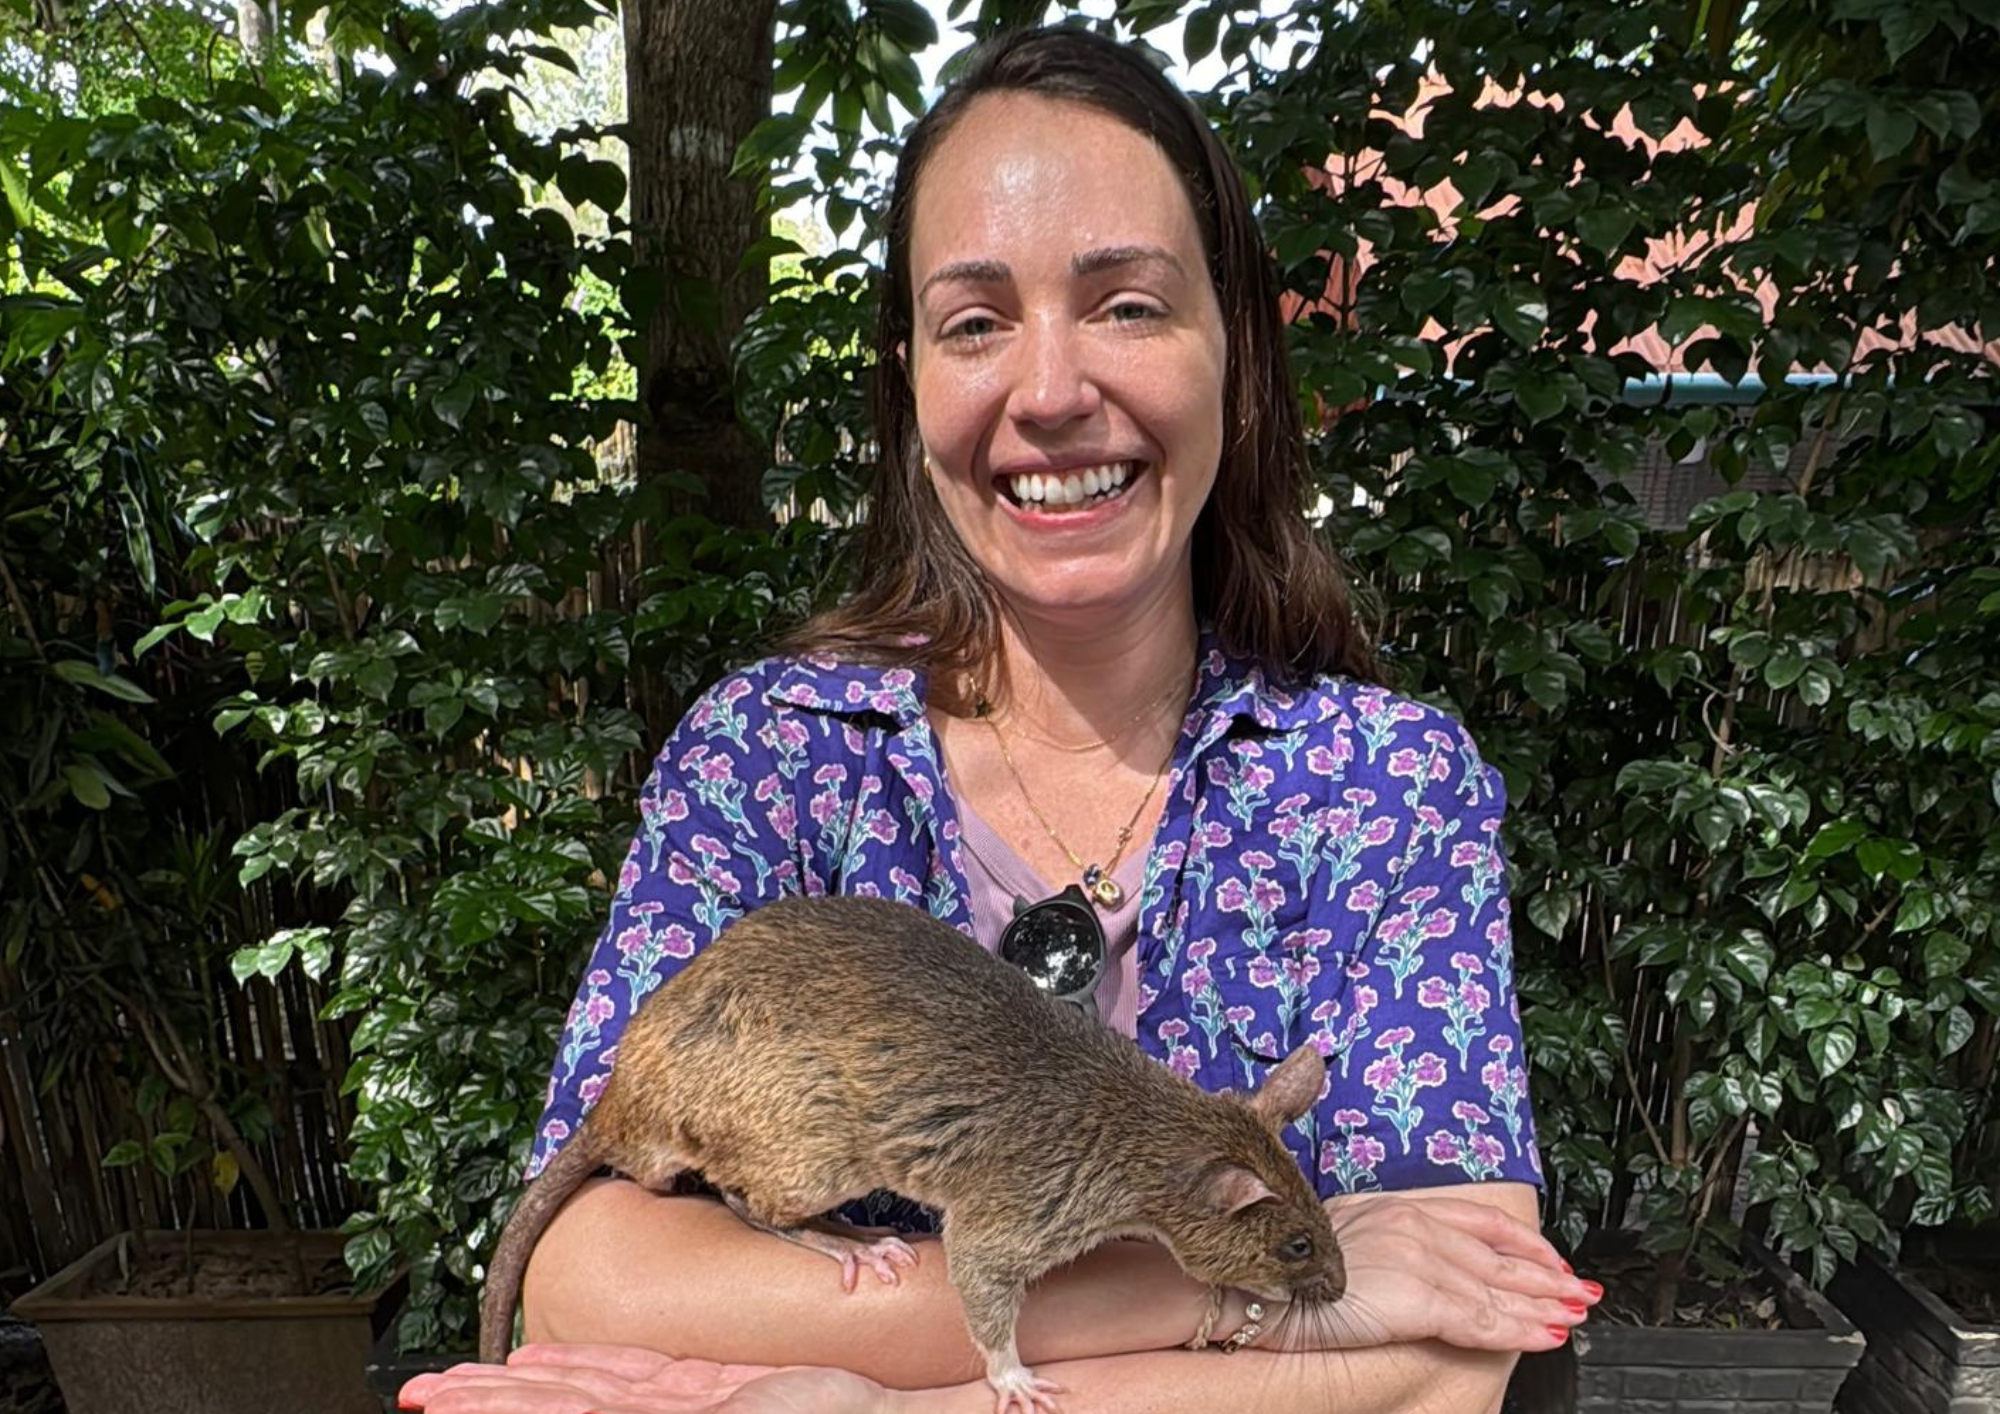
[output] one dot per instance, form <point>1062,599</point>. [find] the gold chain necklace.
<point>983,708</point>
<point>1097,880</point>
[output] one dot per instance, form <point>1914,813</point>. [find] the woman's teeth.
<point>1071,488</point>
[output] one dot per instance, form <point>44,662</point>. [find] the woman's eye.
<point>1132,312</point>
<point>969,329</point>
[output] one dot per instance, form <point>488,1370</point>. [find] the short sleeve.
<point>1442,1096</point>
<point>716,838</point>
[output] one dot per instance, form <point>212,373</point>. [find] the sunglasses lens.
<point>1058,949</point>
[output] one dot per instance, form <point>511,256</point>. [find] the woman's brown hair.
<point>1264,581</point>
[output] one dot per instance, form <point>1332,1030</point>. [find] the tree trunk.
<point>697,80</point>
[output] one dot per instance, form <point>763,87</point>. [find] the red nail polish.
<point>1568,1270</point>
<point>1596,1291</point>
<point>1577,1306</point>
<point>1560,1333</point>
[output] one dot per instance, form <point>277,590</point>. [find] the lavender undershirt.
<point>998,876</point>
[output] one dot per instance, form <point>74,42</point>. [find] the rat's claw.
<point>1021,1391</point>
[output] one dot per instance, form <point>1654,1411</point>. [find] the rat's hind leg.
<point>886,1256</point>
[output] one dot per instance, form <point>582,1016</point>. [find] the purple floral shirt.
<point>1327,869</point>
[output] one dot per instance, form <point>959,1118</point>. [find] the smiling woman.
<point>1098,660</point>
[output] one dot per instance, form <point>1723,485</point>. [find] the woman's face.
<point>1067,356</point>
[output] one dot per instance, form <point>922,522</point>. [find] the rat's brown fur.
<point>822,1049</point>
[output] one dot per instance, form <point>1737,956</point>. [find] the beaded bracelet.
<point>1252,1327</point>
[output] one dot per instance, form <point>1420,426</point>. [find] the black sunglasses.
<point>1060,945</point>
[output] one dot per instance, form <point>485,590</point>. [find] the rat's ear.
<point>1230,1188</point>
<point>1291,1089</point>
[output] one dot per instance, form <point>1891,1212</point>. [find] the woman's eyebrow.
<point>1113,257</point>
<point>1090,262</point>
<point>967,272</point>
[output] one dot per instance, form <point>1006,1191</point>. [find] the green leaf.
<point>87,783</point>
<point>1606,227</point>
<point>1831,1049</point>
<point>1890,130</point>
<point>1522,314</point>
<point>84,674</point>
<point>124,1153</point>
<point>1836,837</point>
<point>18,205</point>
<point>1954,1029</point>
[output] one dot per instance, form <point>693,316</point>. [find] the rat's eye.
<point>1299,1249</point>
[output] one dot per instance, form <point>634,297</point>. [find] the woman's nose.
<point>1052,383</point>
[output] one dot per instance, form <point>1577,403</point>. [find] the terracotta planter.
<point>1610,1369</point>
<point>196,1355</point>
<point>1923,1356</point>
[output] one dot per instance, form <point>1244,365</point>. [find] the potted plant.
<point>1932,1319</point>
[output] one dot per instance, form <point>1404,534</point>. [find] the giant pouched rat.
<point>822,1049</point>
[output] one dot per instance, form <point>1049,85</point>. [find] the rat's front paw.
<point>885,1256</point>
<point>1021,1391</point>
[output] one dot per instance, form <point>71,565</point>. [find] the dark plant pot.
<point>1610,1369</point>
<point>389,1371</point>
<point>1923,1356</point>
<point>201,1355</point>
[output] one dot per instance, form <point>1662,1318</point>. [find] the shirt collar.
<point>1229,689</point>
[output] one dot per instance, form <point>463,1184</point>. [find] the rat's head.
<point>1247,1217</point>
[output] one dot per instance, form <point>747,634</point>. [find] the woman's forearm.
<point>622,1265</point>
<point>1427,1378</point>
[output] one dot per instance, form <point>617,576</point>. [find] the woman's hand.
<point>621,1379</point>
<point>1440,1268</point>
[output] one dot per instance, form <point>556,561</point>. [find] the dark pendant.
<point>1102,888</point>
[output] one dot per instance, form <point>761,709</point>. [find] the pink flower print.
<point>905,881</point>
<point>628,875</point>
<point>1443,1147</point>
<point>1197,981</point>
<point>867,888</point>
<point>853,738</point>
<point>1293,804</point>
<point>1148,994</point>
<point>881,828</point>
<point>1501,1045</point>
<point>735,690</point>
<point>1183,1061</point>
<point>1213,836</point>
<point>1239,1016</point>
<point>1432,992</point>
<point>1406,763</point>
<point>1264,972</point>
<point>1349,1119</point>
<point>1420,895</point>
<point>1428,818</point>
<point>1267,895</point>
<point>1487,1151</point>
<point>679,871</point>
<point>633,940</point>
<point>1395,926</point>
<point>555,1131</point>
<point>1259,777</point>
<point>703,714</point>
<point>1467,853</point>
<point>1342,824</point>
<point>1357,969</point>
<point>1256,859</point>
<point>1301,969</point>
<point>886,703</point>
<point>784,818</point>
<point>709,847</point>
<point>1232,896</point>
<point>766,788</point>
<point>1429,1071</point>
<point>675,808</point>
<point>1475,997</point>
<point>1380,831</point>
<point>1286,827</point>
<point>857,693</point>
<point>677,941</point>
<point>591,1089</point>
<point>1393,1037</point>
<point>718,768</point>
<point>792,732</point>
<point>824,808</point>
<point>1365,1152</point>
<point>1383,1074</point>
<point>1497,933</point>
<point>1360,797</point>
<point>1201,949</point>
<point>1309,939</point>
<point>1172,1030</point>
<point>1470,1113</point>
<point>1440,768</point>
<point>1323,760</point>
<point>723,881</point>
<point>1466,962</point>
<point>692,758</point>
<point>1364,897</point>
<point>598,1009</point>
<point>1493,1075</point>
<point>829,775</point>
<point>921,788</point>
<point>1365,999</point>
<point>1325,1011</point>
<point>598,977</point>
